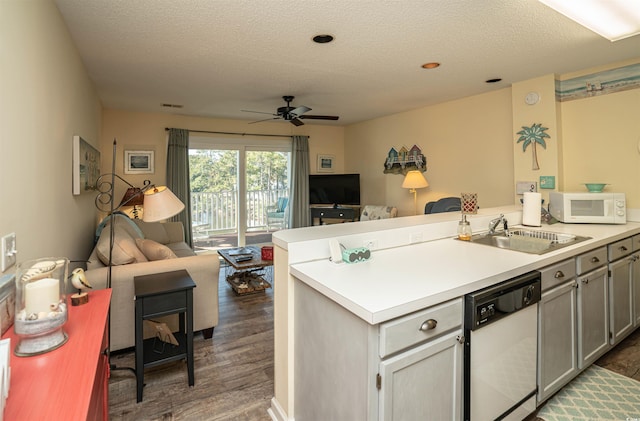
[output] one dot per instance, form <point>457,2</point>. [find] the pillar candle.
<point>39,295</point>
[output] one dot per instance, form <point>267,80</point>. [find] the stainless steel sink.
<point>528,241</point>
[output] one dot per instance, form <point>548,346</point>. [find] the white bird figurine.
<point>79,281</point>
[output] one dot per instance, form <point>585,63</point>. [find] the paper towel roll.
<point>531,205</point>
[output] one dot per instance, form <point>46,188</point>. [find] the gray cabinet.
<point>636,280</point>
<point>593,306</point>
<point>404,369</point>
<point>557,329</point>
<point>621,317</point>
<point>423,383</point>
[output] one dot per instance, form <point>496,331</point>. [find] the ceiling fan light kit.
<point>294,115</point>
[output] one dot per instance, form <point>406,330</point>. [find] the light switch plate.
<point>526,186</point>
<point>8,251</point>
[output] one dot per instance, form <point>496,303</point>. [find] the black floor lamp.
<point>158,203</point>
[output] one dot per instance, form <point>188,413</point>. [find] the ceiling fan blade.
<point>320,117</point>
<point>296,122</point>
<point>257,112</point>
<point>266,119</point>
<point>298,111</point>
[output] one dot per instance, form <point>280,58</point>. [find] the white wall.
<point>46,98</point>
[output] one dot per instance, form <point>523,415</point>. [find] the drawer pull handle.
<point>595,260</point>
<point>559,275</point>
<point>428,325</point>
<point>622,248</point>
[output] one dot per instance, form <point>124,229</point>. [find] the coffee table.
<point>246,276</point>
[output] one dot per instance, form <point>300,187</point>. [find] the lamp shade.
<point>414,180</point>
<point>132,197</point>
<point>160,203</point>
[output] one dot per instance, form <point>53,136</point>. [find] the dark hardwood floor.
<point>233,370</point>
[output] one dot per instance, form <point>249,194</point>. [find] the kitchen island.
<point>403,276</point>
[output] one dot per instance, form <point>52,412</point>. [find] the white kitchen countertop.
<point>399,280</point>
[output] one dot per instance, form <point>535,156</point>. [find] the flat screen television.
<point>334,189</point>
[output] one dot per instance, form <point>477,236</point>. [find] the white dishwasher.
<point>501,324</point>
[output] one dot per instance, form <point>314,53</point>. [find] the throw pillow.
<point>154,250</point>
<point>154,231</point>
<point>125,250</point>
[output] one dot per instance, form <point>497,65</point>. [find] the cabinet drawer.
<point>417,327</point>
<point>635,240</point>
<point>159,305</point>
<point>556,274</point>
<point>591,260</point>
<point>619,249</point>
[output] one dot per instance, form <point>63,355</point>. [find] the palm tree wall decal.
<point>531,136</point>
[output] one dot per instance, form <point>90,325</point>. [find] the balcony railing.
<point>213,213</point>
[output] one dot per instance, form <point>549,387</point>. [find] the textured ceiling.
<point>217,57</point>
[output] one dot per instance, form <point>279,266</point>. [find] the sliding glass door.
<point>239,191</point>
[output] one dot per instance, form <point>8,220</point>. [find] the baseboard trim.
<point>276,412</point>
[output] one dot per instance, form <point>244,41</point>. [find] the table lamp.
<point>412,181</point>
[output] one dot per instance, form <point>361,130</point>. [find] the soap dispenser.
<point>464,229</point>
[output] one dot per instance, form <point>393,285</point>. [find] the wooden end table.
<point>160,295</point>
<point>246,276</point>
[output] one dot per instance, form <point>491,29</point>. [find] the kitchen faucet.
<point>494,224</point>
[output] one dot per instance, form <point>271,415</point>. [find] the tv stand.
<point>334,212</point>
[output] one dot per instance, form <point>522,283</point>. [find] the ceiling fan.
<point>292,114</point>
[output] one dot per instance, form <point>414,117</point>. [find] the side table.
<point>160,295</point>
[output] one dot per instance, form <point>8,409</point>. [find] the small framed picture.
<point>325,163</point>
<point>138,162</point>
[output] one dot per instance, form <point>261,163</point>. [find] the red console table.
<point>68,383</point>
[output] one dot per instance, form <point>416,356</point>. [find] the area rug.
<point>597,394</point>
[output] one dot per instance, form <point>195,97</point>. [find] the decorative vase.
<point>41,308</point>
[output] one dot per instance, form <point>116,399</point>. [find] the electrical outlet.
<point>8,251</point>
<point>371,244</point>
<point>415,237</point>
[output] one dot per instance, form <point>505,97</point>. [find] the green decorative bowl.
<point>595,187</point>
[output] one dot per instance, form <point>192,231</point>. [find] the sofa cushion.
<point>153,231</point>
<point>154,250</point>
<point>125,250</point>
<point>181,249</point>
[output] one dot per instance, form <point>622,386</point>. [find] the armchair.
<point>446,204</point>
<point>277,214</point>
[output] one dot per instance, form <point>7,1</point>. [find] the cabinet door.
<point>620,299</point>
<point>424,383</point>
<point>593,316</point>
<point>557,336</point>
<point>635,277</point>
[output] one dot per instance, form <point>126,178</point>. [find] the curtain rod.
<point>236,133</point>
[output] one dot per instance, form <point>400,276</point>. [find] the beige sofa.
<point>143,249</point>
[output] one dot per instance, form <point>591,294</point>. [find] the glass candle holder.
<point>41,308</point>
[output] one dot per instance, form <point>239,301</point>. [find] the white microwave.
<point>588,208</point>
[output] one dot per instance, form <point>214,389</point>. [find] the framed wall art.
<point>325,163</point>
<point>139,162</point>
<point>86,166</point>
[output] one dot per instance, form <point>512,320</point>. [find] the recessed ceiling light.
<point>323,39</point>
<point>431,65</point>
<point>611,19</point>
<point>494,80</point>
